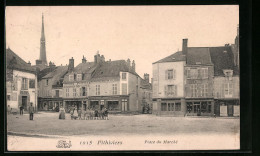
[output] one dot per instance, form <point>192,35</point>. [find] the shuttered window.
<point>170,90</point>
<point>170,74</point>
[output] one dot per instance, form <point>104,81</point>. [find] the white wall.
<point>159,80</point>
<point>32,91</point>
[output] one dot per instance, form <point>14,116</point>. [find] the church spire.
<point>42,47</point>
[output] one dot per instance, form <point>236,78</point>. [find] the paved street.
<point>49,124</point>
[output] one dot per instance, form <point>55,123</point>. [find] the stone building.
<point>111,84</point>
<point>21,88</point>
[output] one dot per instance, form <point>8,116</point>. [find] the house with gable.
<point>50,87</point>
<point>226,81</point>
<point>21,78</point>
<point>168,84</point>
<point>198,80</point>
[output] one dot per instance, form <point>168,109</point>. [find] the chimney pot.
<point>184,46</point>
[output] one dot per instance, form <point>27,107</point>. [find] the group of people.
<point>31,110</point>
<point>81,114</point>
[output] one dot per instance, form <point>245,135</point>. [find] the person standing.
<point>21,110</point>
<point>9,110</point>
<point>62,113</point>
<point>31,111</point>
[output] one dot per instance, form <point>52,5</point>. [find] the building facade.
<point>21,88</point>
<point>111,84</point>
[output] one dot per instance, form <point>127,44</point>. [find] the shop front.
<point>49,104</point>
<point>227,107</point>
<point>200,107</point>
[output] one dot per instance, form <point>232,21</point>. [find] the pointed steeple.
<point>42,34</point>
<point>42,47</point>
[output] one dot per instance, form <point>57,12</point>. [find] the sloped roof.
<point>15,62</point>
<point>198,55</point>
<point>178,56</point>
<point>57,74</point>
<point>222,58</point>
<point>112,69</point>
<point>86,67</point>
<point>145,85</point>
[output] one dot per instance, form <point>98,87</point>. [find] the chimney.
<point>128,63</point>
<point>97,58</point>
<point>146,77</point>
<point>184,46</point>
<point>29,63</point>
<point>71,64</point>
<point>84,59</point>
<point>102,58</point>
<point>133,65</point>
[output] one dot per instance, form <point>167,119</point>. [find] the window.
<point>97,89</point>
<point>204,90</point>
<point>177,106</point>
<point>193,90</point>
<point>124,104</point>
<point>8,97</point>
<point>79,77</point>
<point>47,82</point>
<point>14,84</point>
<point>188,73</point>
<point>74,92</point>
<point>57,93</point>
<point>124,88</point>
<point>170,90</point>
<point>31,83</point>
<point>193,73</point>
<point>204,73</point>
<point>170,106</point>
<point>228,88</point>
<point>164,107</point>
<point>83,91</point>
<point>123,76</point>
<point>170,74</point>
<point>67,92</point>
<point>24,83</point>
<point>71,77</point>
<point>114,89</point>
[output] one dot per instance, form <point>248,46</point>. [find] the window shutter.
<point>175,92</point>
<point>165,90</point>
<point>81,93</point>
<point>166,74</point>
<point>174,74</point>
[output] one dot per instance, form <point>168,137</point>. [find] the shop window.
<point>170,106</point>
<point>203,107</point>
<point>209,107</point>
<point>189,107</point>
<point>164,107</point>
<point>113,105</point>
<point>196,107</point>
<point>178,106</point>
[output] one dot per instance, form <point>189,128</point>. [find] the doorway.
<point>24,102</point>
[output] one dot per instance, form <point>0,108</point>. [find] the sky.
<point>145,34</point>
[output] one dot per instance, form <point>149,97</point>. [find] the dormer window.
<point>123,76</point>
<point>71,77</point>
<point>79,77</point>
<point>228,74</point>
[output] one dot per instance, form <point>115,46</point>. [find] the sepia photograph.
<point>122,78</point>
